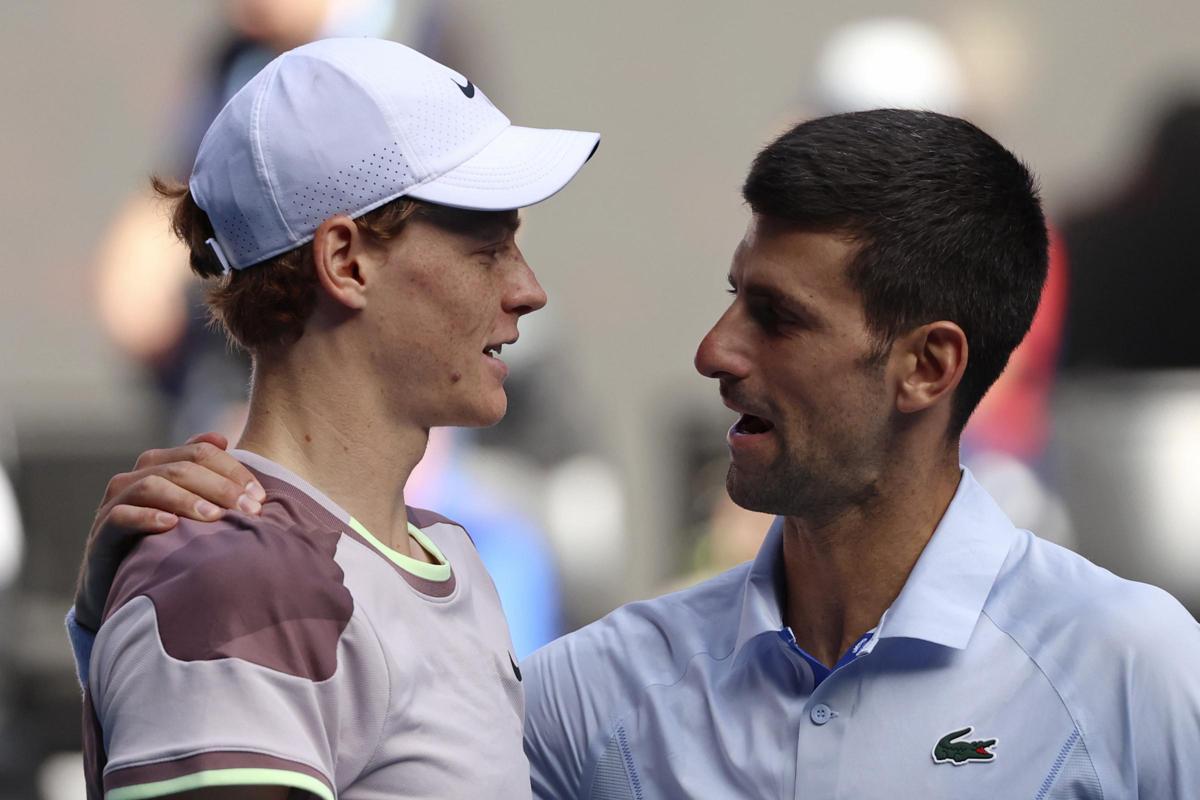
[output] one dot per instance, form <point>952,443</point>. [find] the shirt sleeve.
<point>223,669</point>
<point>1164,688</point>
<point>582,695</point>
<point>555,731</point>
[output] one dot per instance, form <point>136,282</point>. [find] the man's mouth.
<point>491,354</point>
<point>492,349</point>
<point>749,425</point>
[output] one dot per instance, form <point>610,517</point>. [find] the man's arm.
<point>248,697</point>
<point>573,698</point>
<point>1164,689</point>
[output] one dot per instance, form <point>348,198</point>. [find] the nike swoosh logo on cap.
<point>468,90</point>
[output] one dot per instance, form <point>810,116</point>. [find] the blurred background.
<point>605,483</point>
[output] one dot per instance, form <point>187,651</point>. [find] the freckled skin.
<point>794,347</point>
<point>444,297</point>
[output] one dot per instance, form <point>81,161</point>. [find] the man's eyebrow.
<point>500,226</point>
<point>786,301</point>
<point>477,225</point>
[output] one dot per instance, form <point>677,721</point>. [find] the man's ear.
<point>339,248</point>
<point>934,357</point>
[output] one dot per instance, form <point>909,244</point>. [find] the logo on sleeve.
<point>958,753</point>
<point>516,669</point>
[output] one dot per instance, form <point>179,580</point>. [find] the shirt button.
<point>820,714</point>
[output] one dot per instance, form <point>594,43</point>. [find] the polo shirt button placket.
<point>819,746</point>
<point>821,713</point>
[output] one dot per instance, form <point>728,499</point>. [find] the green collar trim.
<point>438,572</point>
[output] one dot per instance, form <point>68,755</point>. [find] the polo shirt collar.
<point>762,594</point>
<point>944,595</point>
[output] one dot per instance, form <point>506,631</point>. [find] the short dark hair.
<point>949,226</point>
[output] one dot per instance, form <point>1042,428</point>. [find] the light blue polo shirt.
<point>1007,667</point>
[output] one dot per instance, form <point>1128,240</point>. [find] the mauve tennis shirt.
<point>295,649</point>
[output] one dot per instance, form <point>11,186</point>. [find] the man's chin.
<point>484,412</point>
<point>753,493</point>
<point>488,417</point>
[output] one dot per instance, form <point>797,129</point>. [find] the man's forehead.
<point>468,222</point>
<point>780,258</point>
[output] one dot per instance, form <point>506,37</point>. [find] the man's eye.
<point>766,315</point>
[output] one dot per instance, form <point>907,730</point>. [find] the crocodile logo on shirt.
<point>958,753</point>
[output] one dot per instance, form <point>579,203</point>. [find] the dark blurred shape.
<point>1136,260</point>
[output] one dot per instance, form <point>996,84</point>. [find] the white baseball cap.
<point>343,126</point>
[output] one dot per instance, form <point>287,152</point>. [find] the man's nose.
<point>720,354</point>
<point>526,295</point>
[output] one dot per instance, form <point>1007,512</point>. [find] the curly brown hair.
<point>264,308</point>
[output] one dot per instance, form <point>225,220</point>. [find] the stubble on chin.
<point>770,492</point>
<point>790,490</point>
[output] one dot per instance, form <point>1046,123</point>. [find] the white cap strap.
<point>216,248</point>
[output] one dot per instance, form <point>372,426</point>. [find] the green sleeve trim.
<point>222,777</point>
<point>431,572</point>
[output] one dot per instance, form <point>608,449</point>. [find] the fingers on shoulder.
<point>139,519</point>
<point>178,491</point>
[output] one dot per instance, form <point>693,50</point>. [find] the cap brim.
<point>518,168</point>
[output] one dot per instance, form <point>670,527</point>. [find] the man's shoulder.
<point>652,641</point>
<point>1049,598</point>
<point>579,685</point>
<point>264,589</point>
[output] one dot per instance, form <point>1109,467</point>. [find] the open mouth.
<point>491,356</point>
<point>749,425</point>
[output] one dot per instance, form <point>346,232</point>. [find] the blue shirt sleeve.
<point>555,723</point>
<point>81,646</point>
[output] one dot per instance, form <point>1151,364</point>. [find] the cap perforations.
<point>353,189</point>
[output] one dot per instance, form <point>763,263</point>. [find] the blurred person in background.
<point>1128,451</point>
<point>1137,259</point>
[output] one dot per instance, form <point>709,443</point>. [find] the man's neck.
<point>340,439</point>
<point>843,574</point>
